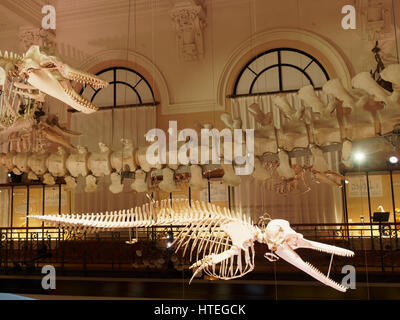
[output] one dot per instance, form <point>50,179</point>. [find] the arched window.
<point>280,70</point>
<point>127,87</point>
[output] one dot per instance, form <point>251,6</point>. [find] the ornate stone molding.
<point>376,19</point>
<point>46,39</point>
<point>189,22</point>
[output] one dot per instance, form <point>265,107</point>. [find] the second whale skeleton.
<point>365,111</point>
<point>220,240</point>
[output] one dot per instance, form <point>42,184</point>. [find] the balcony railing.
<point>26,249</point>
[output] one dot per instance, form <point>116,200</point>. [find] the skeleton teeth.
<point>79,99</point>
<point>93,82</point>
<point>330,249</point>
<point>332,282</point>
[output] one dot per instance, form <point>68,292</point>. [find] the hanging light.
<point>393,159</point>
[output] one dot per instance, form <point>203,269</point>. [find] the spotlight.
<point>346,181</point>
<point>393,159</point>
<point>359,157</point>
<point>170,237</point>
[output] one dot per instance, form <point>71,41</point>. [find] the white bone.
<point>168,183</point>
<point>335,88</point>
<point>285,170</point>
<point>77,162</point>
<point>140,184</point>
<point>197,182</point>
<point>70,183</point>
<point>116,185</point>
<point>99,162</point>
<point>90,185</point>
<point>124,158</point>
<point>56,163</point>
<point>307,94</point>
<point>260,172</point>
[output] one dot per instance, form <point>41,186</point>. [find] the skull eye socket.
<point>293,240</point>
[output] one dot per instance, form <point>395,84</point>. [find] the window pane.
<point>4,207</point>
<point>291,77</point>
<point>267,81</point>
<point>264,61</point>
<point>396,191</point>
<point>295,58</point>
<point>246,79</point>
<point>357,198</point>
<point>35,205</point>
<point>19,207</point>
<point>381,193</point>
<point>51,200</point>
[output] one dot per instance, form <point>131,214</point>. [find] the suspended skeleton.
<point>29,135</point>
<point>51,76</point>
<point>341,116</point>
<point>321,171</point>
<point>291,177</point>
<point>221,241</point>
<point>345,116</point>
<point>24,83</point>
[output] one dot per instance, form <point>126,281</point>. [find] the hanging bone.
<point>197,182</point>
<point>124,159</point>
<point>116,184</point>
<point>140,183</point>
<point>99,162</point>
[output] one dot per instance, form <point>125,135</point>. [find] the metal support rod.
<point>209,190</point>
<point>229,197</point>
<point>370,214</point>
<point>27,211</point>
<point>345,210</point>
<point>43,208</point>
<point>330,265</point>
<point>12,207</point>
<point>381,246</point>
<point>394,207</point>
<point>59,199</point>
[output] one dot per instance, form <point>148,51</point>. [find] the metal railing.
<point>25,249</point>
